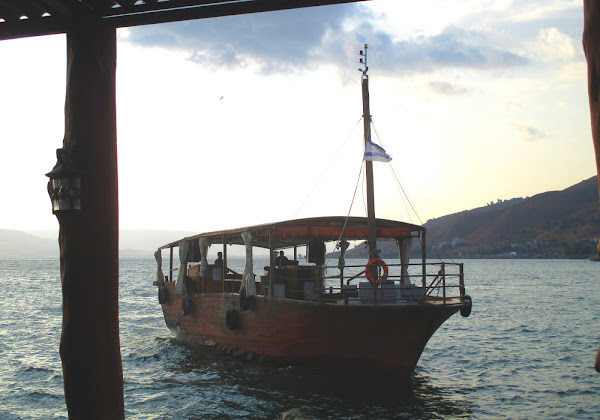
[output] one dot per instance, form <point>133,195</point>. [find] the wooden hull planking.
<point>383,338</point>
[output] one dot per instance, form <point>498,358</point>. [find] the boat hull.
<point>383,338</point>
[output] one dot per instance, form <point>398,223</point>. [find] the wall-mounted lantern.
<point>64,186</point>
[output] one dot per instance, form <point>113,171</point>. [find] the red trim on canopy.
<point>291,232</point>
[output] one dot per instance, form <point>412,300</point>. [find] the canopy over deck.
<point>296,232</point>
<point>22,18</point>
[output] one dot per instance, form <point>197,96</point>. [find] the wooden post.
<point>89,241</point>
<point>591,47</point>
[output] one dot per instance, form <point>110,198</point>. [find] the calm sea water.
<point>527,351</point>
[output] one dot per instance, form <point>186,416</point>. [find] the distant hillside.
<point>44,244</point>
<point>17,244</point>
<point>552,224</point>
<point>555,224</point>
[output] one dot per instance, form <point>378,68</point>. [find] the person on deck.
<point>219,264</point>
<point>281,261</point>
<point>219,260</point>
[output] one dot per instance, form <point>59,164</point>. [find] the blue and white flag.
<point>375,152</point>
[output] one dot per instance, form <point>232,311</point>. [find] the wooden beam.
<point>66,13</point>
<point>591,48</point>
<point>89,241</point>
<point>216,9</point>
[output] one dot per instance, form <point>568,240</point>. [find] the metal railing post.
<point>424,260</point>
<point>171,263</point>
<point>444,281</point>
<point>461,281</point>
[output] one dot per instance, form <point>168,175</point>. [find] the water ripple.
<point>527,351</point>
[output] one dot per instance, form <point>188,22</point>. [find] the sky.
<point>242,120</point>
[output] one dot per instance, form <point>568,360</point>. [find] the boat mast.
<point>372,241</point>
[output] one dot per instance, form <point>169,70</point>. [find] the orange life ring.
<point>374,263</point>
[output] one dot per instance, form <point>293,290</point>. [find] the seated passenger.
<point>281,261</point>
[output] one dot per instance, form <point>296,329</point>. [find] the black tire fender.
<point>162,295</point>
<point>245,300</point>
<point>467,305</point>
<point>186,306</point>
<point>232,319</point>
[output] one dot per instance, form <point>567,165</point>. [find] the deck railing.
<point>444,285</point>
<point>441,283</point>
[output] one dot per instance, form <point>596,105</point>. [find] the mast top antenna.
<point>363,62</point>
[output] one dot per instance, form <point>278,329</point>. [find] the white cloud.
<point>529,133</point>
<point>295,40</point>
<point>446,88</point>
<point>514,105</point>
<point>530,11</point>
<point>552,45</point>
<point>574,71</point>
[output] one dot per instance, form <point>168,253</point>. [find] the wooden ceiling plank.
<point>23,29</point>
<point>33,9</point>
<point>154,5</point>
<point>99,6</point>
<point>66,9</point>
<point>8,11</point>
<point>222,9</point>
<point>61,7</point>
<point>7,16</point>
<point>126,3</point>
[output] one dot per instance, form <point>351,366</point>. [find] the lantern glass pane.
<point>64,203</point>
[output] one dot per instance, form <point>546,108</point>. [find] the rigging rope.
<point>351,204</point>
<point>435,248</point>
<point>326,169</point>
<point>398,183</point>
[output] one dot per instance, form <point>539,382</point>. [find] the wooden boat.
<point>375,317</point>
